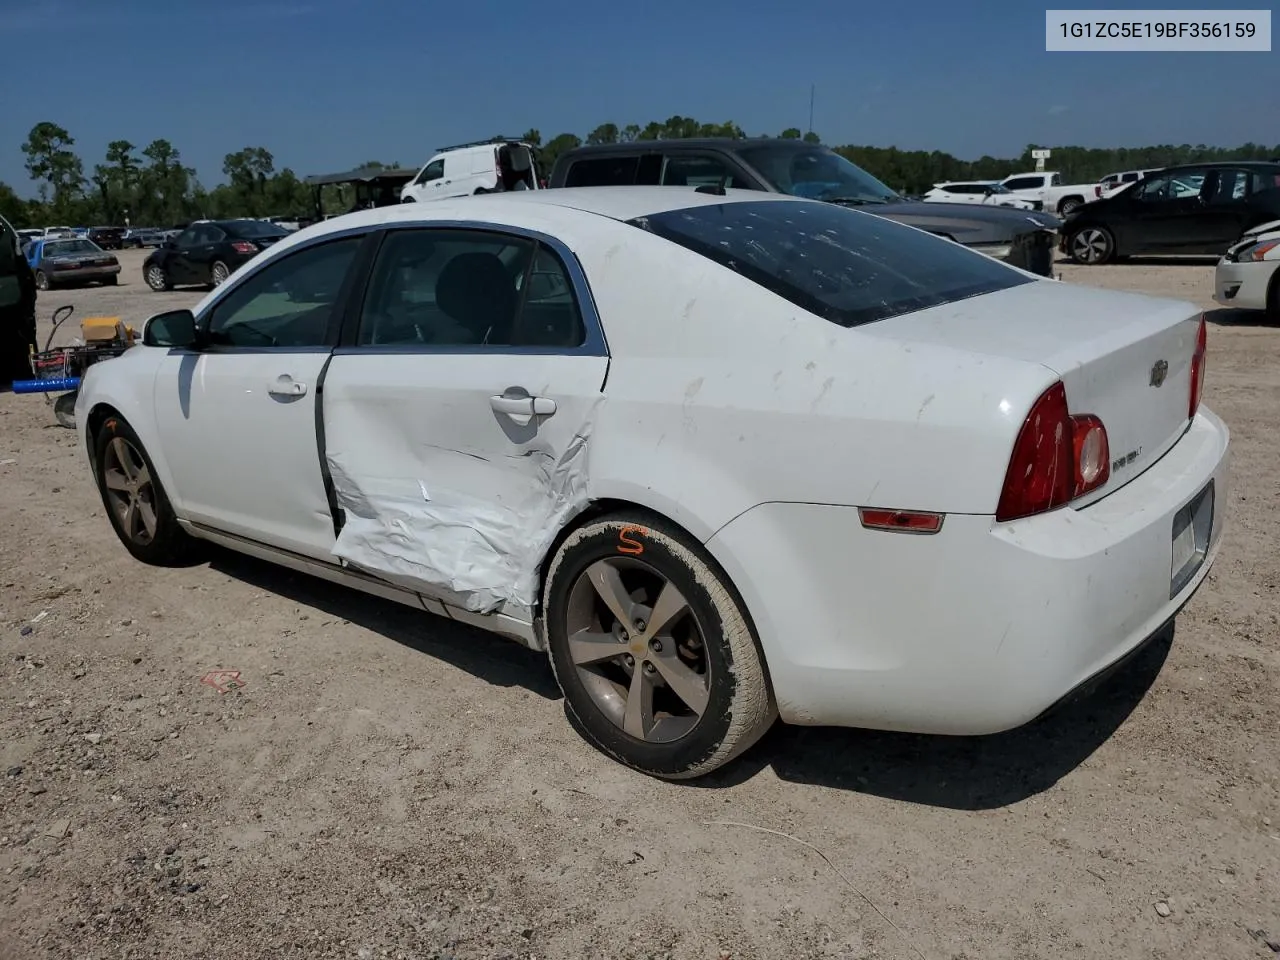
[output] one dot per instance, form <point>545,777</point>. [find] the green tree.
<point>791,133</point>
<point>605,133</point>
<point>51,161</point>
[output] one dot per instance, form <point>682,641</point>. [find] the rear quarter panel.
<point>721,396</point>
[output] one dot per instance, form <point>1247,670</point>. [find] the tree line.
<point>152,186</point>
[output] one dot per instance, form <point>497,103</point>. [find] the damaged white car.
<point>723,456</point>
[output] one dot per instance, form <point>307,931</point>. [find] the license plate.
<point>1192,526</point>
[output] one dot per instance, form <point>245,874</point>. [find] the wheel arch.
<point>603,507</point>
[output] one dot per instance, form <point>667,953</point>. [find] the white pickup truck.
<point>1048,189</point>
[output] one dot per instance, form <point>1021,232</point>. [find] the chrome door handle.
<point>523,409</point>
<point>286,386</point>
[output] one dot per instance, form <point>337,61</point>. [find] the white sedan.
<point>724,457</point>
<point>990,192</point>
<point>1248,274</point>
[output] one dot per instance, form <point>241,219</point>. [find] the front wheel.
<point>1092,245</point>
<point>158,278</point>
<point>649,643</point>
<point>139,509</point>
<point>111,281</point>
<point>42,281</point>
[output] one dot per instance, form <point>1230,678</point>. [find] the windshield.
<point>67,248</point>
<point>845,266</point>
<point>815,174</point>
<point>256,228</point>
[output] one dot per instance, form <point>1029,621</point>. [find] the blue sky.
<point>326,84</point>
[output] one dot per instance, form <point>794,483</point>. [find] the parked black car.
<point>1022,238</point>
<point>208,251</point>
<point>108,238</point>
<point>17,309</point>
<point>1200,208</point>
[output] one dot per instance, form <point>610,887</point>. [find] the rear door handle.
<point>523,409</point>
<point>285,386</point>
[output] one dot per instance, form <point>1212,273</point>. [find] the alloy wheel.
<point>638,649</point>
<point>1091,245</point>
<point>42,281</point>
<point>220,274</point>
<point>130,492</point>
<point>155,278</point>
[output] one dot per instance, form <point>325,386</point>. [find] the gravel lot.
<point>391,785</point>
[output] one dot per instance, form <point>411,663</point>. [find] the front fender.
<point>126,384</point>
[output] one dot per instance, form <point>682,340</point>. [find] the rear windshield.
<point>255,228</point>
<point>846,266</point>
<point>65,248</point>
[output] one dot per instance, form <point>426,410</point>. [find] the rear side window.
<point>846,266</point>
<point>602,172</point>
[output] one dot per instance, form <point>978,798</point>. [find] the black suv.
<point>1024,239</point>
<point>208,251</point>
<point>17,309</point>
<point>1197,208</point>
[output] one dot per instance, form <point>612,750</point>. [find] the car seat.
<point>476,291</point>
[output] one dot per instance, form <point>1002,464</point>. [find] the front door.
<point>1166,214</point>
<point>456,420</point>
<point>237,419</point>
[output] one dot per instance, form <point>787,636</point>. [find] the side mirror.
<point>175,328</point>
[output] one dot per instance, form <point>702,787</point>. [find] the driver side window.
<point>432,171</point>
<point>288,303</point>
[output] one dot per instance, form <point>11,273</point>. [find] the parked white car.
<point>723,458</point>
<point>1248,275</point>
<point>1048,190</point>
<point>1113,183</point>
<point>976,191</point>
<point>486,167</point>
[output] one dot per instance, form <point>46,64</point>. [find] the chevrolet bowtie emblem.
<point>1158,372</point>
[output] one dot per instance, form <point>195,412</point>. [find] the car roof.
<point>616,203</point>
<point>729,144</point>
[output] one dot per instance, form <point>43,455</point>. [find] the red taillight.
<point>1056,458</point>
<point>243,246</point>
<point>1197,369</point>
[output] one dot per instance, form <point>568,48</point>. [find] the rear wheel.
<point>1069,205</point>
<point>42,281</point>
<point>652,649</point>
<point>158,278</point>
<point>137,505</point>
<point>112,281</point>
<point>218,275</point>
<point>1092,245</point>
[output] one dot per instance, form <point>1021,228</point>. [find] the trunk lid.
<point>1126,358</point>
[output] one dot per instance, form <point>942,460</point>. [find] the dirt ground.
<point>387,784</point>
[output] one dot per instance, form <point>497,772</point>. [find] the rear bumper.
<point>84,273</point>
<point>981,627</point>
<point>1243,285</point>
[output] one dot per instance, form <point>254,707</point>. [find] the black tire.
<point>157,278</point>
<point>111,281</point>
<point>409,199</point>
<point>739,706</point>
<point>168,545</point>
<point>42,281</point>
<point>1091,245</point>
<point>1070,204</point>
<point>213,273</point>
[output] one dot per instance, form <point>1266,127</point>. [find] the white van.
<point>488,166</point>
